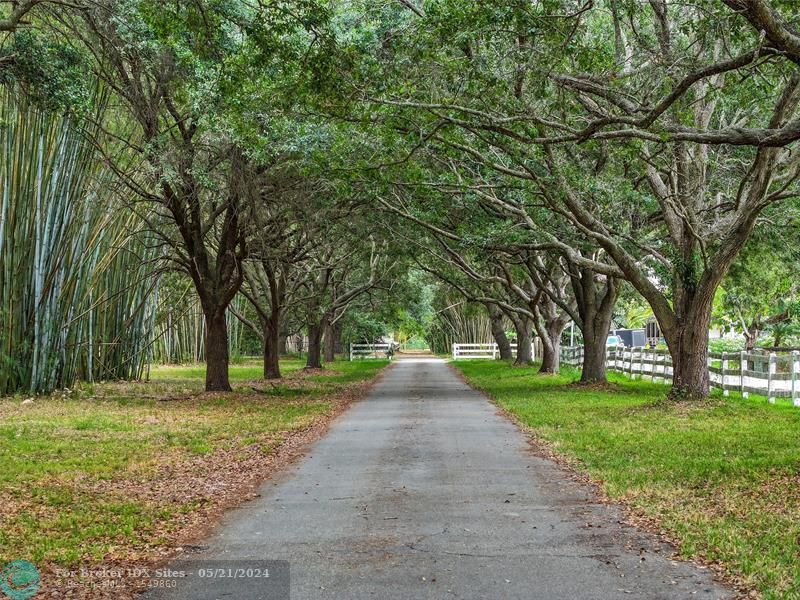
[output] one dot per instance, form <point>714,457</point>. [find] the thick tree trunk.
<point>551,359</point>
<point>595,312</point>
<point>550,322</point>
<point>330,342</point>
<point>217,352</point>
<point>550,334</point>
<point>314,360</point>
<point>272,368</point>
<point>690,363</point>
<point>524,353</point>
<point>688,347</point>
<point>594,358</point>
<point>499,334</point>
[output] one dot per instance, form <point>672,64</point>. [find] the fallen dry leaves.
<point>208,483</point>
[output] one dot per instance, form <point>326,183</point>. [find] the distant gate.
<point>370,351</point>
<point>485,351</point>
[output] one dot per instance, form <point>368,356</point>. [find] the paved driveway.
<point>424,491</point>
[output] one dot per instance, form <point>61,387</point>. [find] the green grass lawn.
<point>195,374</point>
<point>110,471</point>
<point>722,476</point>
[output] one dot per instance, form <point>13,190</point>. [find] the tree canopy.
<point>325,168</point>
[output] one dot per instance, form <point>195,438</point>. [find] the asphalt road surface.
<point>424,491</point>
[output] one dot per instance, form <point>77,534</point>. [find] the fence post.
<point>630,365</point>
<point>653,366</point>
<point>494,351</point>
<point>724,368</point>
<point>454,351</point>
<point>772,368</point>
<point>641,362</point>
<point>795,369</point>
<point>742,365</point>
<point>351,351</point>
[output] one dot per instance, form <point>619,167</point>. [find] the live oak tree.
<point>494,241</point>
<point>497,319</point>
<point>182,74</point>
<point>40,65</point>
<point>344,264</point>
<point>463,274</point>
<point>693,108</point>
<point>569,291</point>
<point>282,229</point>
<point>760,293</point>
<point>194,175</point>
<point>595,297</point>
<point>447,243</point>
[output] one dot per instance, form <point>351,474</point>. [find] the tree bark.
<point>551,347</point>
<point>217,352</point>
<point>549,326</point>
<point>524,353</point>
<point>690,377</point>
<point>594,358</point>
<point>751,336</point>
<point>314,360</point>
<point>331,338</point>
<point>272,354</point>
<point>498,333</point>
<point>595,310</point>
<point>688,344</point>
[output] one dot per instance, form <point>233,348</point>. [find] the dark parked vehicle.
<point>629,337</point>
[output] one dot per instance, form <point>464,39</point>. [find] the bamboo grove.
<point>74,272</point>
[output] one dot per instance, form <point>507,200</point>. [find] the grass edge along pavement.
<point>721,478</point>
<point>122,474</point>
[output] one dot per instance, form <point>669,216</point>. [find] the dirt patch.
<point>681,408</point>
<point>312,372</point>
<point>598,386</point>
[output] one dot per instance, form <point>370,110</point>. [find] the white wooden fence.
<point>370,351</point>
<point>487,351</point>
<point>771,375</point>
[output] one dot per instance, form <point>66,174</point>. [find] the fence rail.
<point>771,375</point>
<point>370,351</point>
<point>486,351</point>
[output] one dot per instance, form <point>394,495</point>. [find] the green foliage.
<point>631,310</point>
<point>360,327</point>
<point>761,292</point>
<point>725,345</point>
<point>51,74</point>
